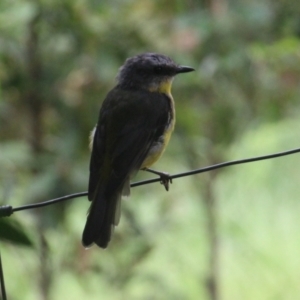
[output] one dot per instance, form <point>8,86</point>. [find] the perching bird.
<point>135,123</point>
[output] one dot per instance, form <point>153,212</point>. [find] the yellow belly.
<point>156,152</point>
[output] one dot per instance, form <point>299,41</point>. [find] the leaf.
<point>13,232</point>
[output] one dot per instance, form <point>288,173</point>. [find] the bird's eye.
<point>158,69</point>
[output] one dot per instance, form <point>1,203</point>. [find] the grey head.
<point>149,70</point>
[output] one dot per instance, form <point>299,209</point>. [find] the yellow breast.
<point>158,148</point>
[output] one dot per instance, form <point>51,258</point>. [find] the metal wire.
<point>8,210</point>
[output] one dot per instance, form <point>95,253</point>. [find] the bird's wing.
<point>129,123</point>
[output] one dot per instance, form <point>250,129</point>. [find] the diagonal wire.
<point>7,210</point>
<point>222,165</point>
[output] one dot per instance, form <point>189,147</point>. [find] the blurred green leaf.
<point>13,232</point>
<point>58,60</point>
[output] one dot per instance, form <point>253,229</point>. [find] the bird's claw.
<point>165,180</point>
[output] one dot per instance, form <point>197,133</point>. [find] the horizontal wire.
<point>7,210</point>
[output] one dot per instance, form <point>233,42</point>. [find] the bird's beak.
<point>184,69</point>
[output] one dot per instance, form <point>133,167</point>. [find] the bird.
<point>136,120</point>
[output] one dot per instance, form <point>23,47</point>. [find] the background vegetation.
<point>230,234</point>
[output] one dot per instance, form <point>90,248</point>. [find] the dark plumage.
<point>135,123</point>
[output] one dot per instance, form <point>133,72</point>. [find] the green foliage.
<point>14,233</point>
<point>58,59</point>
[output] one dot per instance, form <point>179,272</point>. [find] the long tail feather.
<point>104,214</point>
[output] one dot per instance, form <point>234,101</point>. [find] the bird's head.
<point>150,71</point>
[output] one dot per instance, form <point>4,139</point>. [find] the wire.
<point>221,165</point>
<point>8,210</point>
<point>49,202</point>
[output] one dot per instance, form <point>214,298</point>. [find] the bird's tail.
<point>104,215</point>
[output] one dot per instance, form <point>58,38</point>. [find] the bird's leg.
<point>165,178</point>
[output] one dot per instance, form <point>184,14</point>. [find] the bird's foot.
<point>165,178</point>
